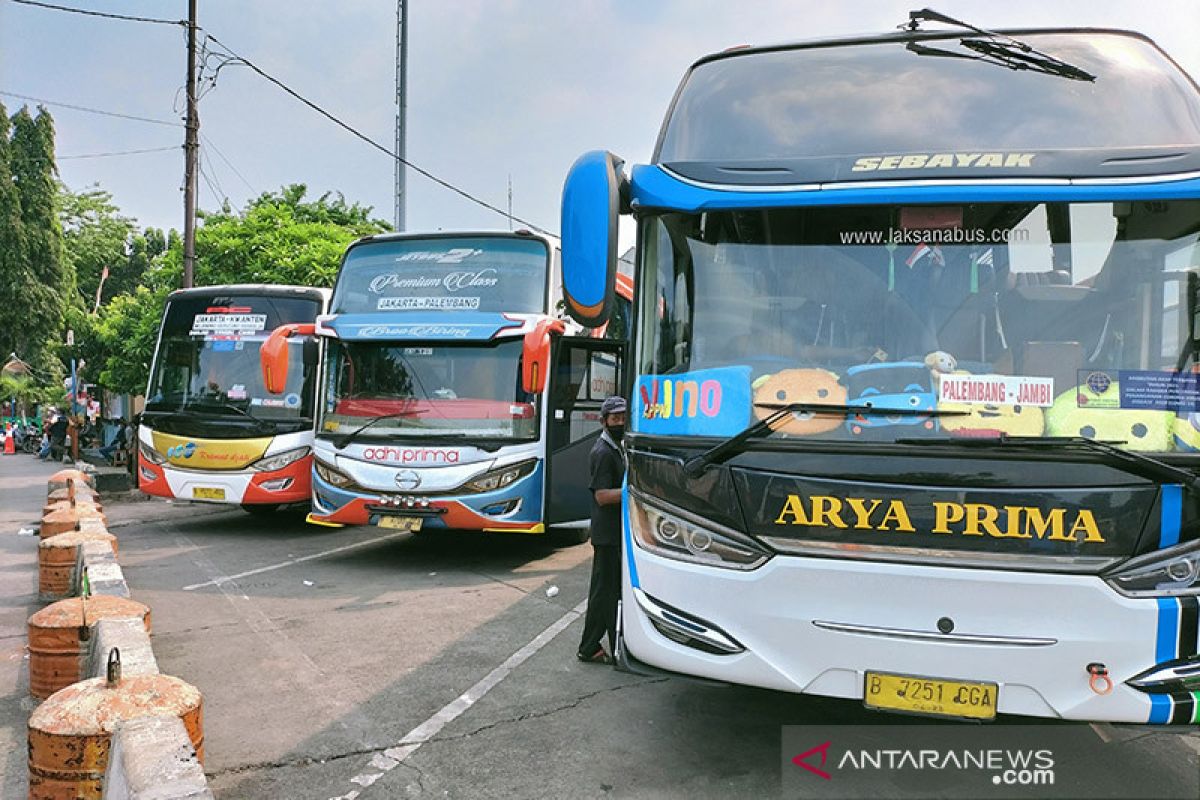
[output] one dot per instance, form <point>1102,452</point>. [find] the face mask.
<point>615,431</point>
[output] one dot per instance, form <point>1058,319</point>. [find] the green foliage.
<point>126,332</point>
<point>278,238</point>
<point>95,236</point>
<point>41,283</point>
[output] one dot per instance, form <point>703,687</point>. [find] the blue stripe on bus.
<point>653,187</point>
<point>629,548</point>
<point>1172,515</point>
<point>1168,629</point>
<point>1160,709</point>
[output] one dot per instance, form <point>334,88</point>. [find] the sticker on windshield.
<point>428,303</point>
<point>996,390</point>
<point>292,400</point>
<point>237,392</point>
<point>228,323</point>
<point>707,402</point>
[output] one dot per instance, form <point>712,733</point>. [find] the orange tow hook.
<point>1099,680</point>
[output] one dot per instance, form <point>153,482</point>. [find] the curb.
<point>149,757</point>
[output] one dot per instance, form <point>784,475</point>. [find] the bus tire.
<point>260,509</point>
<point>566,537</point>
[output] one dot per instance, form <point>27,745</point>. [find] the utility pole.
<point>401,188</point>
<point>190,148</point>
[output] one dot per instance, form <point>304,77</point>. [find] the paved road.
<point>334,646</point>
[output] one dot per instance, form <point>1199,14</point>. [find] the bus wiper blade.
<point>994,48</point>
<point>1134,462</point>
<point>341,441</point>
<point>723,451</point>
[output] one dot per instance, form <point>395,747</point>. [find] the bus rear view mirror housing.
<point>590,207</point>
<point>535,356</point>
<point>274,355</point>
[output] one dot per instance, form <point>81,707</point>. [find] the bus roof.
<point>250,288</point>
<point>934,104</point>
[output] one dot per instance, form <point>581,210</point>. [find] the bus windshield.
<point>484,273</point>
<point>208,360</point>
<point>428,390</point>
<point>780,108</point>
<point>1027,319</point>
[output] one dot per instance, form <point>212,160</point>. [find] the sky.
<point>499,90</point>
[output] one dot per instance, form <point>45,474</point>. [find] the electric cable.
<point>105,14</point>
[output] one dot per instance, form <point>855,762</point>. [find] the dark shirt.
<point>608,471</point>
<point>58,430</point>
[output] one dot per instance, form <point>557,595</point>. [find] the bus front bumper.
<point>292,484</point>
<point>817,626</point>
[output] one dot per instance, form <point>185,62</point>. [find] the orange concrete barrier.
<point>59,479</point>
<point>56,560</point>
<point>69,519</point>
<point>71,733</point>
<point>60,636</point>
<point>75,491</point>
<point>84,508</point>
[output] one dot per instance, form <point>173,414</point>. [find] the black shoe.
<point>598,657</point>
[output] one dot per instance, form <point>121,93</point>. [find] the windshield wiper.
<point>262,424</point>
<point>728,448</point>
<point>1133,462</point>
<point>994,48</point>
<point>341,441</point>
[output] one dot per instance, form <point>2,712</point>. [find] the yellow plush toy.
<point>800,386</point>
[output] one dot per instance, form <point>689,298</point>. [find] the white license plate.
<point>401,523</point>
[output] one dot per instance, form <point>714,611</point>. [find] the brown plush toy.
<point>800,386</point>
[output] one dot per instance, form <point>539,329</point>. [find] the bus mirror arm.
<point>535,356</point>
<point>273,356</point>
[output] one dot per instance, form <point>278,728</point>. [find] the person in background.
<point>607,464</point>
<point>118,443</point>
<point>58,437</point>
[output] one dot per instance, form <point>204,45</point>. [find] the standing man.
<point>607,463</point>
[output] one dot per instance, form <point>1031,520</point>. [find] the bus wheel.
<point>260,509</point>
<point>565,537</point>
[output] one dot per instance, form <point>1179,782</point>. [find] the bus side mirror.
<point>590,205</point>
<point>535,355</point>
<point>273,356</point>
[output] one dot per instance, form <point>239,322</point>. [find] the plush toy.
<point>900,385</point>
<point>1093,412</point>
<point>941,363</point>
<point>799,386</point>
<point>982,420</point>
<point>1187,432</point>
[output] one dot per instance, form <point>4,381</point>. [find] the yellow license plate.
<point>204,493</point>
<point>401,523</point>
<point>931,696</point>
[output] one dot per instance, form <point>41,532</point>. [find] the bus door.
<point>586,371</point>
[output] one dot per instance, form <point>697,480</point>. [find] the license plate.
<point>205,493</point>
<point>931,696</point>
<point>401,523</point>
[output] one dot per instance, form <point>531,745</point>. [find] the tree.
<point>96,236</point>
<point>278,238</point>
<point>46,283</point>
<point>14,273</point>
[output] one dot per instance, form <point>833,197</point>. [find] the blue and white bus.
<point>915,403</point>
<point>452,396</point>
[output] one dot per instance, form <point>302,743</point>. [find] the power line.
<point>90,110</point>
<point>228,163</point>
<point>95,155</point>
<point>106,15</point>
<point>346,126</point>
<point>120,153</point>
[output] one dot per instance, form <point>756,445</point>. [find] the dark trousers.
<point>603,594</point>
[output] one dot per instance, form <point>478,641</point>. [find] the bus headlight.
<point>150,454</point>
<point>501,477</point>
<point>272,463</point>
<point>677,534</point>
<point>332,476</point>
<point>1166,573</point>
